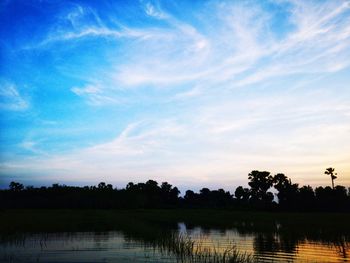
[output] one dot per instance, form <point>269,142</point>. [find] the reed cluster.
<point>187,250</point>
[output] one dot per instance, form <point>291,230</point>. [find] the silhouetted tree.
<point>268,198</point>
<point>280,181</point>
<point>287,192</point>
<point>16,187</point>
<point>169,194</point>
<point>153,195</point>
<point>166,187</point>
<point>130,186</point>
<point>242,194</point>
<point>324,198</point>
<point>306,198</point>
<point>260,182</point>
<point>341,200</point>
<point>191,198</point>
<point>174,194</point>
<point>330,171</point>
<point>102,185</point>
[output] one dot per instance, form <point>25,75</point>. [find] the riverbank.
<point>58,220</point>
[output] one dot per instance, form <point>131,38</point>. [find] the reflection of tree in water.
<point>269,242</point>
<point>99,237</point>
<point>285,235</point>
<point>342,247</point>
<point>265,243</point>
<point>270,236</point>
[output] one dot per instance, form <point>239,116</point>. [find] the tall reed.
<point>187,250</point>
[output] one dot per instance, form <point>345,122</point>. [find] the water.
<point>119,246</point>
<point>271,247</point>
<point>79,247</point>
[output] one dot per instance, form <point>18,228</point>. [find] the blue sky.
<point>196,93</point>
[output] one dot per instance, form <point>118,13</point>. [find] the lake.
<point>266,245</point>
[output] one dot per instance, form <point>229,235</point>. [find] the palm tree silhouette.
<point>330,171</point>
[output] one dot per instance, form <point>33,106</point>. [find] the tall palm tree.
<point>330,171</point>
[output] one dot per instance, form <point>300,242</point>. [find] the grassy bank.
<point>99,220</point>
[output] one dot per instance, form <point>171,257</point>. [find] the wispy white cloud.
<point>95,95</point>
<point>188,94</point>
<point>242,49</point>
<point>85,23</point>
<point>155,12</point>
<point>318,45</point>
<point>33,146</point>
<point>10,98</point>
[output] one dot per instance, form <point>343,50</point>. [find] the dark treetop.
<point>289,196</point>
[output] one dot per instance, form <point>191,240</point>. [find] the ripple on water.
<point>115,247</point>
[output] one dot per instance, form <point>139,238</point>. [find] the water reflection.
<point>279,246</point>
<point>145,242</point>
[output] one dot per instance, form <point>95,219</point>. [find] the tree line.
<point>259,195</point>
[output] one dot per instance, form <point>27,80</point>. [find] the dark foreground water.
<point>119,246</point>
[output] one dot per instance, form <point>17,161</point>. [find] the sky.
<point>195,93</point>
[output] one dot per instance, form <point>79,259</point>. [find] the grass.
<point>187,250</point>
